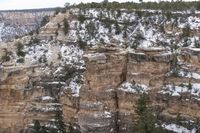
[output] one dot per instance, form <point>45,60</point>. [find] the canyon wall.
<point>96,87</point>
<point>18,23</point>
<point>114,80</point>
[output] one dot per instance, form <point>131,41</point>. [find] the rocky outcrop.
<point>114,79</point>
<point>98,106</point>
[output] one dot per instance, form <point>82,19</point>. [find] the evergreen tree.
<point>44,21</point>
<point>60,122</point>
<point>197,43</point>
<point>174,65</point>
<point>197,125</point>
<point>117,29</point>
<point>66,26</point>
<point>91,28</point>
<point>118,13</point>
<point>36,125</point>
<point>72,129</point>
<point>81,18</point>
<point>186,31</point>
<point>147,121</point>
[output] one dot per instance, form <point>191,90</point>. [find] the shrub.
<point>168,15</point>
<point>63,10</point>
<point>108,23</point>
<point>118,13</point>
<point>186,31</point>
<point>20,60</point>
<point>82,44</point>
<point>66,26</point>
<point>197,43</point>
<point>36,40</point>
<point>198,6</point>
<point>117,29</point>
<point>162,28</point>
<point>56,34</point>
<point>5,58</point>
<point>44,21</point>
<point>91,28</point>
<point>146,119</point>
<point>139,13</point>
<point>69,71</point>
<point>175,66</point>
<point>58,24</point>
<point>57,10</point>
<point>81,18</point>
<point>20,51</point>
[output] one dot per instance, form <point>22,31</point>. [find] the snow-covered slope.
<point>18,23</point>
<point>134,28</point>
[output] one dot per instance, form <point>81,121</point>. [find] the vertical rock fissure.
<point>123,79</point>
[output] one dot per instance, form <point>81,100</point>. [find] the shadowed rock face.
<point>19,23</point>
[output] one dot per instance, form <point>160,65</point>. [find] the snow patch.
<point>134,88</point>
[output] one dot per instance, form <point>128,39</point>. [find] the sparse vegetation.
<point>117,29</point>
<point>91,28</point>
<point>139,13</point>
<point>197,43</point>
<point>6,56</point>
<point>186,31</point>
<point>81,18</point>
<point>20,48</point>
<point>20,60</point>
<point>163,5</point>
<point>82,44</point>
<point>61,127</point>
<point>44,21</point>
<point>168,15</point>
<point>174,65</point>
<point>147,120</point>
<point>66,26</point>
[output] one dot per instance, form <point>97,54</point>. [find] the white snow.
<point>189,74</point>
<point>44,98</point>
<point>74,86</point>
<point>107,114</point>
<point>95,56</point>
<point>137,88</point>
<point>177,129</point>
<point>177,90</point>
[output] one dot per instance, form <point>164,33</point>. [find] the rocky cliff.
<point>89,77</point>
<point>18,23</point>
<point>115,78</point>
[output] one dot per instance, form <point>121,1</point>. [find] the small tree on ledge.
<point>147,121</point>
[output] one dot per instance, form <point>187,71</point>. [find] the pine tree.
<point>147,121</point>
<point>66,26</point>
<point>186,31</point>
<point>81,18</point>
<point>117,29</point>
<point>36,125</point>
<point>60,124</point>
<point>197,125</point>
